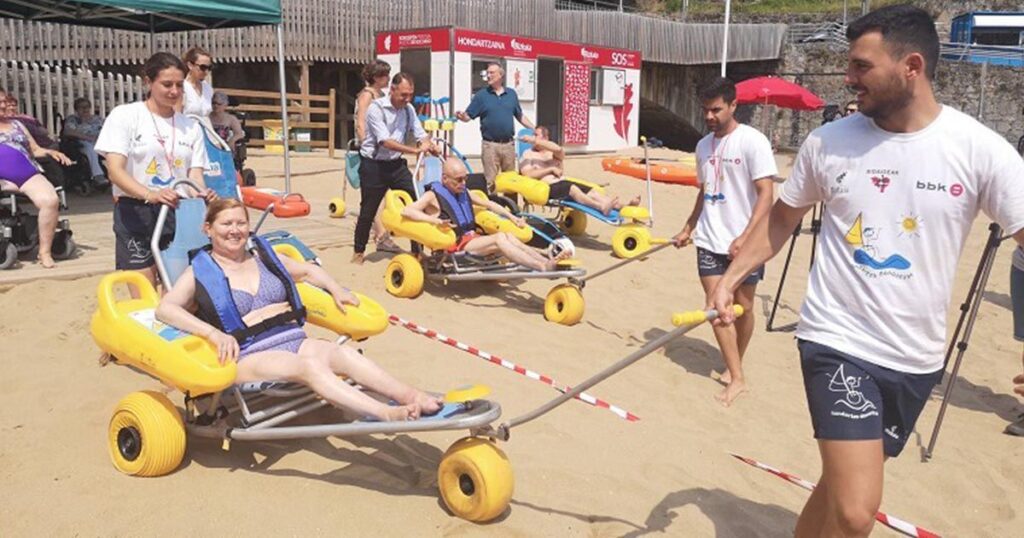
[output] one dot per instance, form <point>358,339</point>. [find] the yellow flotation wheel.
<point>404,276</point>
<point>574,222</point>
<point>146,435</point>
<point>475,479</point>
<point>631,240</point>
<point>336,208</point>
<point>564,305</point>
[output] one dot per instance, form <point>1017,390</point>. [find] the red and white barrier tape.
<point>889,521</point>
<point>583,396</point>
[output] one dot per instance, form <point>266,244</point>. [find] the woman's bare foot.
<point>606,208</point>
<point>400,413</point>
<point>634,201</point>
<point>427,404</point>
<point>46,261</point>
<point>725,377</point>
<point>731,391</point>
<point>552,262</point>
<point>357,258</point>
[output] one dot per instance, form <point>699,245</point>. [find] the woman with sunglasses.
<point>198,96</point>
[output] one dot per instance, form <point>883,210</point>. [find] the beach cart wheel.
<point>574,222</point>
<point>631,241</point>
<point>475,479</point>
<point>404,276</point>
<point>10,256</point>
<point>564,305</point>
<point>336,208</point>
<point>146,436</point>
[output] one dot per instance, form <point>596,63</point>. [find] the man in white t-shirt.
<point>903,180</point>
<point>736,171</point>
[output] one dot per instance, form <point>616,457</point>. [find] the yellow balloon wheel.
<point>336,208</point>
<point>631,241</point>
<point>146,436</point>
<point>404,276</point>
<point>475,479</point>
<point>574,222</point>
<point>564,305</point>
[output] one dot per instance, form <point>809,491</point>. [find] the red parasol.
<point>776,91</point>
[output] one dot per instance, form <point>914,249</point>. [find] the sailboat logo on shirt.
<point>152,168</point>
<point>865,254</point>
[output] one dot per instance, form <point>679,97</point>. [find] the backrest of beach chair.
<point>432,170</point>
<point>521,146</point>
<point>220,175</point>
<point>352,167</point>
<point>188,236</point>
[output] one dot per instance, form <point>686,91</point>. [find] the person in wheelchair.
<point>246,305</point>
<point>20,172</point>
<point>544,161</point>
<point>81,130</point>
<point>448,203</point>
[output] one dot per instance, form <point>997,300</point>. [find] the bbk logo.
<point>955,190</point>
<point>882,182</point>
<point>590,55</point>
<point>387,42</point>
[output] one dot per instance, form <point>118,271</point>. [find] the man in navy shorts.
<point>903,180</point>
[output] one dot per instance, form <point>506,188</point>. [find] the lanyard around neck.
<point>168,154</point>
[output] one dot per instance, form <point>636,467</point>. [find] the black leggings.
<point>375,179</point>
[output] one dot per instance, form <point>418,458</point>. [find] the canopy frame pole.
<point>725,36</point>
<point>284,108</point>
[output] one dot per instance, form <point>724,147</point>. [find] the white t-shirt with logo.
<point>899,207</point>
<point>133,131</point>
<point>727,168</point>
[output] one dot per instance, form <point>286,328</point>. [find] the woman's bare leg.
<point>41,192</point>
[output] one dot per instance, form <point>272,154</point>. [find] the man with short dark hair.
<point>496,106</point>
<point>850,109</point>
<point>736,170</point>
<point>903,181</point>
<point>381,166</point>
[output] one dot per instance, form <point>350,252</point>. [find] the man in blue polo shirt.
<point>496,106</point>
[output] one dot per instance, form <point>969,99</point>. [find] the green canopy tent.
<point>154,16</point>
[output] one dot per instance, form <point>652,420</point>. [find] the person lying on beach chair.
<point>544,161</point>
<point>449,203</point>
<point>246,305</point>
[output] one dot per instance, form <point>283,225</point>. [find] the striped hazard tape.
<point>889,521</point>
<point>493,359</point>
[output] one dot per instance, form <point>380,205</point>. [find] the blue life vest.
<point>458,208</point>
<point>217,307</point>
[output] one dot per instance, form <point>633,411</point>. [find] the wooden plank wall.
<point>343,30</point>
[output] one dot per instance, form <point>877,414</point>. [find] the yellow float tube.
<point>428,235</point>
<point>533,190</point>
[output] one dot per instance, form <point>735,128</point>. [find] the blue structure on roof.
<point>987,37</point>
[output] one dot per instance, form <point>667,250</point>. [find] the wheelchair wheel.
<point>10,256</point>
<point>404,276</point>
<point>336,208</point>
<point>475,479</point>
<point>630,241</point>
<point>564,305</point>
<point>574,222</point>
<point>63,247</point>
<point>146,436</point>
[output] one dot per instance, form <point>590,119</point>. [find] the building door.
<point>550,85</point>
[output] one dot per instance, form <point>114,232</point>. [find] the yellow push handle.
<point>695,317</point>
<point>643,139</point>
<point>105,291</point>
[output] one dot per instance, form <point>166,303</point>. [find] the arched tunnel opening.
<point>659,122</point>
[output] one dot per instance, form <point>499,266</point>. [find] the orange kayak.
<point>661,172</point>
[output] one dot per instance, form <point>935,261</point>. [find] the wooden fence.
<point>270,106</point>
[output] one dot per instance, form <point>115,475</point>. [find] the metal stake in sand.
<point>892,522</point>
<point>685,322</point>
<point>493,359</point>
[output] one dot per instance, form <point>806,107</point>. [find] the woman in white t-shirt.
<point>148,146</point>
<point>198,99</point>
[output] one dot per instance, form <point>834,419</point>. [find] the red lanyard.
<point>716,161</point>
<point>168,155</point>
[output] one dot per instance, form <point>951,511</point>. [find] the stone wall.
<point>989,93</point>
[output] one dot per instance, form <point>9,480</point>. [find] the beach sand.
<point>580,471</point>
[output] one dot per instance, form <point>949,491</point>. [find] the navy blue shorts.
<point>714,264</point>
<point>852,399</point>
<point>1017,298</point>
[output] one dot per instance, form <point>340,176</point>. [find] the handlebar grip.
<point>695,317</point>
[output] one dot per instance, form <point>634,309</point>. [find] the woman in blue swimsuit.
<point>20,172</point>
<point>283,352</point>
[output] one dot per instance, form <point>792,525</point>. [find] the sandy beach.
<point>580,471</point>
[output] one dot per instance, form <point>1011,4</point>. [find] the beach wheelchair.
<point>633,236</point>
<point>406,273</point>
<point>147,434</point>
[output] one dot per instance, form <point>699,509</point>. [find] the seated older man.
<point>449,203</point>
